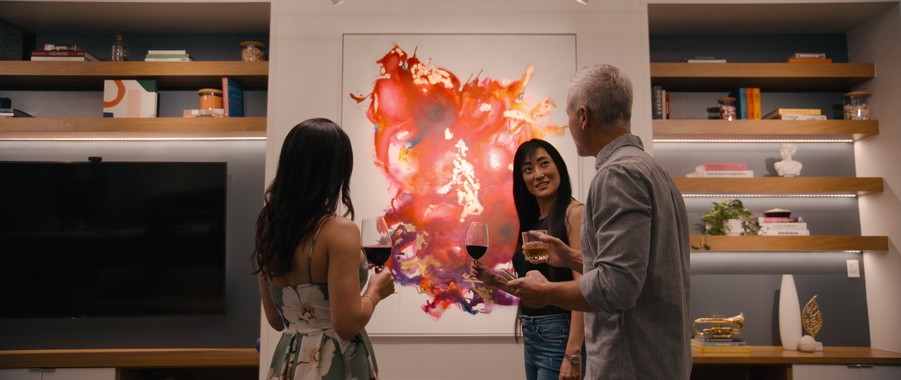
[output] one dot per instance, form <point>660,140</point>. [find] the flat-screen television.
<point>106,239</point>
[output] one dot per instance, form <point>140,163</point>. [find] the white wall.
<point>305,81</point>
<point>878,41</point>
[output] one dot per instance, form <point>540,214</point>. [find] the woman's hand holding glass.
<point>376,241</point>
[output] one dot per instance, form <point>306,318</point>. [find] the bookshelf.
<point>840,156</point>
<point>212,34</point>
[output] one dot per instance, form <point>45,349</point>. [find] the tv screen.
<point>99,239</point>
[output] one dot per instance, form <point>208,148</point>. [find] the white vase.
<point>789,314</point>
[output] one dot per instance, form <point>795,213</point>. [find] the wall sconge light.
<point>338,2</point>
<point>583,2</point>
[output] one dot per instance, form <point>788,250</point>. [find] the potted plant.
<point>729,217</point>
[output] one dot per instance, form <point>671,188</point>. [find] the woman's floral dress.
<point>309,348</point>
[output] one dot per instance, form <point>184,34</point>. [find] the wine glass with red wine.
<point>477,240</point>
<point>376,241</point>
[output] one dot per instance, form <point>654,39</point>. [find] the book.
<point>722,173</point>
<point>754,104</point>
<point>771,232</point>
<point>809,60</point>
<point>207,112</point>
<point>156,52</point>
<point>779,219</point>
<point>657,102</point>
<point>720,349</point>
<point>784,225</point>
<point>61,47</point>
<point>703,59</point>
<point>167,55</point>
<point>807,55</point>
<point>232,97</point>
<point>743,103</point>
<point>707,338</point>
<point>720,343</point>
<point>665,105</point>
<point>721,166</point>
<point>791,116</point>
<point>62,55</point>
<point>129,98</point>
<point>148,59</point>
<point>795,111</point>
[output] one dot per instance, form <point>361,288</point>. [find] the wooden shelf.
<point>44,75</point>
<point>765,129</point>
<point>791,243</point>
<point>64,128</point>
<point>124,358</point>
<point>780,185</point>
<point>784,76</point>
<point>763,355</point>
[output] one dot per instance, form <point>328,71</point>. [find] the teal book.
<point>232,97</point>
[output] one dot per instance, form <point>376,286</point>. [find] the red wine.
<point>377,255</point>
<point>476,251</point>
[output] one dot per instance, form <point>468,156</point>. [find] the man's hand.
<point>562,255</point>
<point>530,289</point>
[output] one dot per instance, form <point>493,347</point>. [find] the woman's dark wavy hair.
<point>526,203</point>
<point>314,170</point>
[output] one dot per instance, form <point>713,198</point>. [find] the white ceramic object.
<point>789,314</point>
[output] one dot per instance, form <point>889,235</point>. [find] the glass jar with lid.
<point>855,105</point>
<point>210,98</point>
<point>252,50</point>
<point>727,108</point>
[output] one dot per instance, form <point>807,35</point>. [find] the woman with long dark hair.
<point>310,264</point>
<point>542,194</point>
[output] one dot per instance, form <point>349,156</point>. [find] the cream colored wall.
<point>878,41</point>
<point>305,81</point>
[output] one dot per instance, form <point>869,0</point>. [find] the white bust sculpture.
<point>787,167</point>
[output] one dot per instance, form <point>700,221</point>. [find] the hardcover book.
<point>721,166</point>
<point>795,111</point>
<point>62,55</point>
<point>772,232</point>
<point>784,225</point>
<point>657,102</point>
<point>720,349</point>
<point>129,98</point>
<point>232,97</point>
<point>722,173</point>
<point>791,116</point>
<point>809,60</point>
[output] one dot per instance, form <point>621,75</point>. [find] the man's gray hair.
<point>605,91</point>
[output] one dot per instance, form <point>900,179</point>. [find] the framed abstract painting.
<point>435,120</point>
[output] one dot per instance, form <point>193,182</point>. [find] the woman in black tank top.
<point>542,193</point>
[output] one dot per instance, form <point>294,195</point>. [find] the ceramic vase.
<point>733,227</point>
<point>789,313</point>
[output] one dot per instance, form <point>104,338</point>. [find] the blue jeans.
<point>544,340</point>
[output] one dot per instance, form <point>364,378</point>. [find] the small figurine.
<point>787,167</point>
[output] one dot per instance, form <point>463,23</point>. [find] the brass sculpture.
<point>720,327</point>
<point>812,317</point>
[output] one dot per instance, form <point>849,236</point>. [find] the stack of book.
<point>808,58</point>
<point>728,169</point>
<point>782,226</point>
<point>708,344</point>
<point>167,56</point>
<point>703,59</point>
<point>795,114</point>
<point>53,52</point>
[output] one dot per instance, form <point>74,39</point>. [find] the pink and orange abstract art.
<point>445,147</point>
